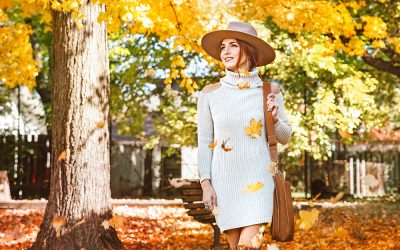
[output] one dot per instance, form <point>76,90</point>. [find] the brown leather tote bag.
<point>282,225</point>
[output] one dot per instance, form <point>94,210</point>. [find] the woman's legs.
<point>233,237</point>
<point>247,234</point>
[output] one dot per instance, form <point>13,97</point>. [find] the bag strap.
<point>269,124</point>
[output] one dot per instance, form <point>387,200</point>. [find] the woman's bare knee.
<point>251,237</point>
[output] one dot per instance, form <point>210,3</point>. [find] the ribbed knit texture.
<point>223,114</point>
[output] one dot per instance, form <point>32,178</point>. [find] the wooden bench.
<point>192,196</point>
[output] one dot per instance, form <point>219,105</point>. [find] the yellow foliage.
<point>319,17</point>
<point>374,27</point>
<point>17,65</point>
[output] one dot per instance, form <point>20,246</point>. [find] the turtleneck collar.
<point>250,80</point>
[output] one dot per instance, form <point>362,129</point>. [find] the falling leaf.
<point>337,197</point>
<point>100,124</point>
<point>254,187</point>
<point>62,156</point>
<point>301,161</point>
<point>117,221</point>
<point>105,224</point>
<point>272,247</point>
<point>310,203</point>
<point>344,134</point>
<point>308,218</point>
<point>254,129</point>
<point>57,222</point>
<point>371,181</point>
<point>213,144</point>
<point>224,147</point>
<point>177,182</point>
<point>316,196</point>
<point>215,211</point>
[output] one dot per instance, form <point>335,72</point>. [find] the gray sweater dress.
<point>238,158</point>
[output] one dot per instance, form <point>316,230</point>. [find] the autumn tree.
<point>79,200</point>
<point>367,29</point>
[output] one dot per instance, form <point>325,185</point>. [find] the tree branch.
<point>382,65</point>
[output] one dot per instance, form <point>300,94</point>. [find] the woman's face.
<point>230,51</point>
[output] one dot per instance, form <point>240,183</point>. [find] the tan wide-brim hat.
<point>211,41</point>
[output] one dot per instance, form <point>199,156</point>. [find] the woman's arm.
<point>283,129</point>
<point>205,132</point>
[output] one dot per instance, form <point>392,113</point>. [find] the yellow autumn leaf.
<point>244,72</point>
<point>224,147</point>
<point>245,85</point>
<point>308,218</point>
<point>100,124</point>
<point>340,232</point>
<point>62,156</point>
<point>117,221</point>
<point>213,144</point>
<point>253,187</point>
<point>337,197</point>
<point>254,129</point>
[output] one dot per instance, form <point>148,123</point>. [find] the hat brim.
<point>211,44</point>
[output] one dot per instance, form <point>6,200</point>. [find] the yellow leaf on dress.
<point>224,147</point>
<point>245,85</point>
<point>213,144</point>
<point>254,129</point>
<point>244,72</point>
<point>253,187</point>
<point>308,218</point>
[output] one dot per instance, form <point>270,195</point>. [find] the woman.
<point>233,154</point>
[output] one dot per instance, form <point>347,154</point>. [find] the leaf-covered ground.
<point>366,225</point>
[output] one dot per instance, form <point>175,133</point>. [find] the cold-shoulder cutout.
<point>211,87</point>
<point>275,88</point>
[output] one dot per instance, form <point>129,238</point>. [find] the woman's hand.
<point>209,195</point>
<point>272,106</point>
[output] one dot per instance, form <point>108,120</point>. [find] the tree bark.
<point>80,163</point>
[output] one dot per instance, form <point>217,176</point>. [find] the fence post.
<point>351,172</point>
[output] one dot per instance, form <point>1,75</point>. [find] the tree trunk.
<point>80,163</point>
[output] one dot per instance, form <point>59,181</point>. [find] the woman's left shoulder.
<point>275,88</point>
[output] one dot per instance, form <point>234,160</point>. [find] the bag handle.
<point>269,125</point>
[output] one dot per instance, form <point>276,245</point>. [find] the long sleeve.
<point>205,132</point>
<point>283,129</point>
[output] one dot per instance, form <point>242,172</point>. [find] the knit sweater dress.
<point>222,116</point>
